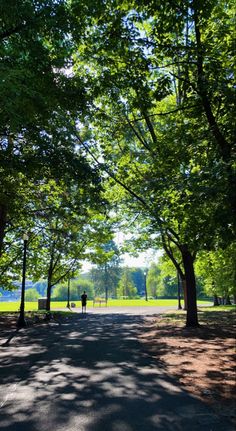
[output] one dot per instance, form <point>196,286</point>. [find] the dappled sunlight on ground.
<point>93,373</point>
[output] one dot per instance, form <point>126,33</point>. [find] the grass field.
<point>206,315</point>
<point>32,306</point>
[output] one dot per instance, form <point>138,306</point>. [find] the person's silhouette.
<point>84,302</point>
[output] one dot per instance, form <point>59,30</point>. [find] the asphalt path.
<point>134,310</point>
<point>91,373</point>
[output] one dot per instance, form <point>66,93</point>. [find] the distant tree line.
<point>215,277</point>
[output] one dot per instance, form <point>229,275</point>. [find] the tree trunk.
<point>106,283</point>
<point>49,286</point>
<point>183,281</point>
<point>48,304</point>
<point>3,221</point>
<point>178,292</point>
<point>227,300</point>
<point>216,301</point>
<point>192,317</point>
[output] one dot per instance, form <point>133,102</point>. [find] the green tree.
<point>77,286</point>
<point>153,280</point>
<point>106,275</point>
<point>31,295</point>
<point>68,236</point>
<point>217,268</point>
<point>68,222</point>
<point>126,287</point>
<point>138,279</point>
<point>39,103</point>
<point>155,113</point>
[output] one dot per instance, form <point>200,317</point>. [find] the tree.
<point>154,112</point>
<point>138,279</point>
<point>67,220</point>
<point>106,275</point>
<point>126,287</point>
<point>77,287</point>
<point>39,102</point>
<point>31,295</point>
<point>153,280</point>
<point>70,231</point>
<point>217,268</point>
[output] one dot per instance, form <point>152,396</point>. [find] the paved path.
<point>138,311</point>
<point>92,374</point>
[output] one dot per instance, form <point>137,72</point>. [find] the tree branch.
<point>223,145</point>
<point>171,256</point>
<point>19,27</point>
<point>183,108</point>
<point>140,138</point>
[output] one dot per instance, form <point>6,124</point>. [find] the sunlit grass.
<point>206,315</point>
<point>29,306</point>
<point>33,306</point>
<point>219,308</point>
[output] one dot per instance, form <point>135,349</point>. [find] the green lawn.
<point>32,306</point>
<point>222,315</point>
<point>29,306</point>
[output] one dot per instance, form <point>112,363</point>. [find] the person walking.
<point>84,302</point>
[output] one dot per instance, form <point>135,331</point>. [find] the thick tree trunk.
<point>227,300</point>
<point>192,317</point>
<point>216,301</point>
<point>3,221</point>
<point>183,280</point>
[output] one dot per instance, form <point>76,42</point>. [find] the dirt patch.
<point>202,359</point>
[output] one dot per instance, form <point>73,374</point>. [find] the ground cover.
<point>33,306</point>
<point>202,359</point>
<point>29,306</point>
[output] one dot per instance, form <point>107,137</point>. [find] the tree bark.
<point>49,286</point>
<point>3,222</point>
<point>216,301</point>
<point>106,283</point>
<point>183,282</point>
<point>48,303</point>
<point>178,293</point>
<point>192,317</point>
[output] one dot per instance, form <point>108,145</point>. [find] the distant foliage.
<point>77,287</point>
<point>126,287</point>
<point>41,287</point>
<point>217,270</point>
<point>31,295</point>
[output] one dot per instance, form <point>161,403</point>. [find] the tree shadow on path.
<point>91,373</point>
